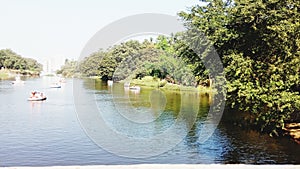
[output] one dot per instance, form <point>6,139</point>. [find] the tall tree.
<point>260,47</point>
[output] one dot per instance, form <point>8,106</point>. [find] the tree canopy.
<point>11,60</point>
<point>69,69</point>
<point>259,45</point>
<point>134,59</point>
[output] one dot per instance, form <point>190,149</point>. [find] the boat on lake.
<point>110,82</point>
<point>55,85</point>
<point>127,84</point>
<point>37,96</point>
<point>136,88</point>
<point>18,81</point>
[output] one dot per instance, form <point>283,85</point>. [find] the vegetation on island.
<point>12,63</point>
<point>258,44</point>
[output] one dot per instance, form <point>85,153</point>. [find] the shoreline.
<point>169,166</point>
<point>293,131</point>
<point>6,74</point>
<point>151,82</point>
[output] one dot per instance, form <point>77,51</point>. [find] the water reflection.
<point>252,147</point>
<point>35,106</point>
<point>228,144</point>
<point>48,133</point>
<point>152,111</point>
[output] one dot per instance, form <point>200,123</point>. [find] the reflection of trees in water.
<point>252,147</point>
<point>170,103</point>
<point>164,106</point>
<point>94,84</point>
<point>192,137</point>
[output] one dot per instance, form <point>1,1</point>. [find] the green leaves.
<point>11,60</point>
<point>69,69</point>
<point>259,42</point>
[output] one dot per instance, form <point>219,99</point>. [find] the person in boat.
<point>35,94</point>
<point>32,94</point>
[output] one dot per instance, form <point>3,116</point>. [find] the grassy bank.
<point>151,82</point>
<point>5,74</point>
<point>8,73</point>
<point>25,72</point>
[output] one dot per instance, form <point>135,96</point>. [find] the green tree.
<point>104,63</point>
<point>165,43</point>
<point>11,60</point>
<point>69,69</point>
<point>33,65</point>
<point>259,45</point>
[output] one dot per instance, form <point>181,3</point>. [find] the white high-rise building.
<point>52,64</point>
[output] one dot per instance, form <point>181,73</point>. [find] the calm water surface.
<point>49,133</point>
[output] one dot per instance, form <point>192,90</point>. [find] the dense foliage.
<point>133,59</point>
<point>104,63</point>
<point>11,60</point>
<point>68,69</point>
<point>260,47</point>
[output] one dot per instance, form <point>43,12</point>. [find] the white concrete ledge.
<point>168,166</point>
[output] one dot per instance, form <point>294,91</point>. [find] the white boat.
<point>55,85</point>
<point>37,99</point>
<point>135,88</point>
<point>127,84</point>
<point>17,81</point>
<point>110,82</point>
<point>37,96</point>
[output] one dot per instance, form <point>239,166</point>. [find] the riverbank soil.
<point>293,130</point>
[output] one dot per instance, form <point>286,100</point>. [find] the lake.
<point>53,132</point>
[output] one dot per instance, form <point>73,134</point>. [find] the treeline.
<point>69,69</point>
<point>258,44</point>
<point>134,59</point>
<point>11,60</point>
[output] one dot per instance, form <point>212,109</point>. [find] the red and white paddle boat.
<point>37,96</point>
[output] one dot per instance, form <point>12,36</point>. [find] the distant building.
<point>51,65</point>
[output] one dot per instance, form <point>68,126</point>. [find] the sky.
<point>59,29</point>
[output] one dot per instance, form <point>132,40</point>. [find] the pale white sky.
<point>60,28</point>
